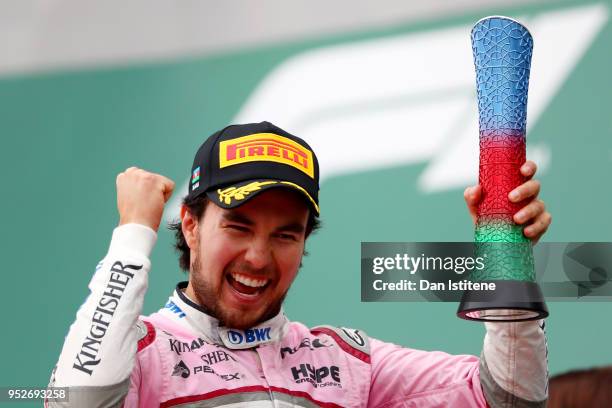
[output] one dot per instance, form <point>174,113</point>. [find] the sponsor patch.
<point>249,336</point>
<point>319,377</point>
<point>217,356</point>
<point>121,275</point>
<point>173,307</point>
<point>181,370</point>
<point>266,147</point>
<point>310,344</point>
<point>183,346</point>
<point>241,339</point>
<point>354,342</point>
<point>354,336</point>
<point>209,370</point>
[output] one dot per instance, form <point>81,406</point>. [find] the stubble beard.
<point>208,299</point>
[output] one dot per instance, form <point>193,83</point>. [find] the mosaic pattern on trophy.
<point>502,51</point>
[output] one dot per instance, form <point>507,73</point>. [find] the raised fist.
<point>141,197</point>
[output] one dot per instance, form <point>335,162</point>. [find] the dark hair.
<point>196,206</point>
<point>581,388</point>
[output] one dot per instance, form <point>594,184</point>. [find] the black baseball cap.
<point>240,161</point>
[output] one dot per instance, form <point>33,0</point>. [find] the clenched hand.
<point>141,197</point>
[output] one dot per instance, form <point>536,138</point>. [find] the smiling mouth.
<point>246,285</point>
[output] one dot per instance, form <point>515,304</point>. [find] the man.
<point>222,338</point>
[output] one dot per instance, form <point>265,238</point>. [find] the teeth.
<point>254,283</point>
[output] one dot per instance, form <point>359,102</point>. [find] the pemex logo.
<point>181,369</point>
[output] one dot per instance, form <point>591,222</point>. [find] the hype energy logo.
<point>266,147</point>
<point>343,98</point>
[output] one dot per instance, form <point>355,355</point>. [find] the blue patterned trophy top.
<point>502,51</point>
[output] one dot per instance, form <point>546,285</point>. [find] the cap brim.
<point>237,194</point>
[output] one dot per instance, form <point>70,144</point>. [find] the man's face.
<point>246,258</point>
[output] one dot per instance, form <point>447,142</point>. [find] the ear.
<point>189,226</point>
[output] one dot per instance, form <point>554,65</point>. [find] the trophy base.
<point>511,301</point>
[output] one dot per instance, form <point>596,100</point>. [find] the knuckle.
<point>532,210</point>
<point>147,177</point>
<point>542,222</point>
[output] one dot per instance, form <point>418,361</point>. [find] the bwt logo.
<point>249,336</point>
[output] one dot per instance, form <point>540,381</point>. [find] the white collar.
<point>185,311</point>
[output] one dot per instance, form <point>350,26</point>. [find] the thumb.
<point>167,188</point>
<point>472,196</point>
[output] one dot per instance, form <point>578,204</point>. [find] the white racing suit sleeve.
<point>513,367</point>
<point>100,349</point>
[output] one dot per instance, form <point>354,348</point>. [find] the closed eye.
<point>240,228</point>
<point>284,236</point>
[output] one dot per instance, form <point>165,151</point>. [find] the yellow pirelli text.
<point>266,147</point>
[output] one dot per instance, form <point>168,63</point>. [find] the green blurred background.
<point>69,126</point>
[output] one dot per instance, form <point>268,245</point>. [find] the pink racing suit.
<point>180,356</point>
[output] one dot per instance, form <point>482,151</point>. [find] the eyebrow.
<point>233,216</point>
<point>237,217</point>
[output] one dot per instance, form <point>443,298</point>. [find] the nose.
<point>259,253</point>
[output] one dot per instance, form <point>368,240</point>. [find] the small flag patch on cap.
<point>195,176</point>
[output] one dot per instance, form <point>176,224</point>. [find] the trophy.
<point>502,50</point>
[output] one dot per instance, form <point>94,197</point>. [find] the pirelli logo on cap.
<point>266,147</point>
